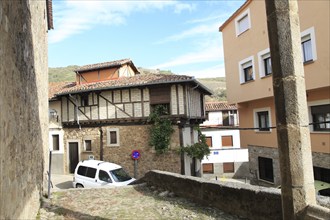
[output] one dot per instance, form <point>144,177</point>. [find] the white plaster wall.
<point>217,134</point>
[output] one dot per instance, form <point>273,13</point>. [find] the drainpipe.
<point>101,144</point>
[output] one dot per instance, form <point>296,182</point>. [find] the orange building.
<point>249,84</point>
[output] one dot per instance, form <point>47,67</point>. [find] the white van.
<point>97,173</point>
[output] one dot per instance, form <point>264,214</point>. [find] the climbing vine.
<point>160,130</point>
<point>199,149</point>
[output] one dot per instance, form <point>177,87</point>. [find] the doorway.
<point>73,156</point>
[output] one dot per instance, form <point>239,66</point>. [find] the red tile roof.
<point>123,82</point>
<point>56,87</point>
<point>104,65</point>
<point>219,106</point>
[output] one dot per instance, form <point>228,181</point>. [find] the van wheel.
<point>79,186</point>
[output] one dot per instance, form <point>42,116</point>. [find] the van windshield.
<point>120,175</point>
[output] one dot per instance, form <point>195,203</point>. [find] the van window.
<point>119,175</point>
<point>104,176</point>
<point>82,170</point>
<point>91,172</point>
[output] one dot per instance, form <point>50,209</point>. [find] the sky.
<point>181,36</point>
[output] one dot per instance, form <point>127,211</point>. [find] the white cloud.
<point>74,17</point>
<point>193,32</point>
<point>211,51</point>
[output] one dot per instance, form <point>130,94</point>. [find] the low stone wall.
<point>244,200</point>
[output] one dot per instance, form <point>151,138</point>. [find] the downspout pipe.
<point>101,143</point>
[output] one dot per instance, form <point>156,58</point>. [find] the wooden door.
<point>73,156</point>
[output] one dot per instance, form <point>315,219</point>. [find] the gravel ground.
<point>130,202</point>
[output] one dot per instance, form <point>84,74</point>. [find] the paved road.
<point>61,182</point>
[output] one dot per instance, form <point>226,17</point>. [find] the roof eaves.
<point>121,87</point>
<point>239,10</point>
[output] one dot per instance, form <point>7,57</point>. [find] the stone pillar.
<point>293,134</point>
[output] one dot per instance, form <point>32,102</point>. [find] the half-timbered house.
<point>104,115</point>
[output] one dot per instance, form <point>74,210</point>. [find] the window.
<point>208,168</point>
<point>104,176</point>
<point>84,100</point>
<point>227,141</point>
<point>113,137</point>
<point>228,167</point>
<point>243,23</point>
<point>266,169</point>
<point>265,63</point>
<point>82,170</point>
<point>209,141</point>
<point>262,119</point>
<point>246,70</point>
<point>91,172</point>
<point>56,142</point>
<point>308,45</point>
<point>88,145</point>
<point>321,117</point>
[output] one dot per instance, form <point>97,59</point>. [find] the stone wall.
<point>268,152</point>
<point>241,171</point>
<point>319,160</point>
<point>131,137</point>
<point>247,201</point>
<point>24,107</point>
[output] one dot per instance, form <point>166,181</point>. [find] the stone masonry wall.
<point>244,200</point>
<point>268,152</point>
<point>24,107</point>
<point>319,160</point>
<point>131,137</point>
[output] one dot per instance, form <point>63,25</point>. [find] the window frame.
<point>257,119</point>
<point>242,66</point>
<point>244,14</point>
<point>264,175</point>
<point>310,35</point>
<point>227,170</point>
<point>85,148</point>
<point>315,104</point>
<point>61,143</point>
<point>109,130</point>
<point>211,170</point>
<point>262,56</point>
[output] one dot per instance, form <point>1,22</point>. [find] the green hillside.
<point>216,85</point>
<point>62,74</point>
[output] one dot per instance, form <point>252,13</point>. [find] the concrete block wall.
<point>24,107</point>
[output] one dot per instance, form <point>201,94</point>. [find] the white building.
<point>226,159</point>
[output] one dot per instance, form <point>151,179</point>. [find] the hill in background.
<point>217,85</point>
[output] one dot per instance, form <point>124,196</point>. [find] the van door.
<point>104,178</point>
<point>88,180</point>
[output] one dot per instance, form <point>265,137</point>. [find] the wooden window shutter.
<point>160,95</point>
<point>228,167</point>
<point>209,141</point>
<point>208,168</point>
<point>227,141</point>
